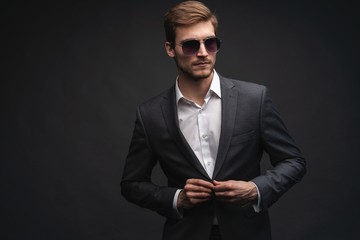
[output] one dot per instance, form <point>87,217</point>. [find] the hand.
<point>195,191</point>
<point>235,191</point>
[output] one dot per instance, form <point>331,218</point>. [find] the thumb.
<point>216,182</point>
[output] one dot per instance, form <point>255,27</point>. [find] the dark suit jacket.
<point>250,126</point>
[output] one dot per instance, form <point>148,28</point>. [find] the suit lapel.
<point>168,106</point>
<point>229,107</point>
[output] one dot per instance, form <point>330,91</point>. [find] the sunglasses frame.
<point>190,53</point>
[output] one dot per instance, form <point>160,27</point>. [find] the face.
<point>199,65</point>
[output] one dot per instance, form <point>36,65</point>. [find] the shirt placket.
<point>203,123</point>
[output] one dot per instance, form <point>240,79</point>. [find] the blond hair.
<point>187,13</point>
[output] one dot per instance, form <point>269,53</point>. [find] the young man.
<point>208,133</point>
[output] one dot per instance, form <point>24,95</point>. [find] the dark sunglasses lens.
<point>190,47</point>
<point>212,44</point>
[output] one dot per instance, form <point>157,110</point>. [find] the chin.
<point>199,78</point>
<point>202,74</point>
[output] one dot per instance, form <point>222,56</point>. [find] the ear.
<point>169,49</point>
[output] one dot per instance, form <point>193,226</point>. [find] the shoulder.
<point>155,101</point>
<point>242,86</point>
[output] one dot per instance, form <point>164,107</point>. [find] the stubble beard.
<point>196,75</point>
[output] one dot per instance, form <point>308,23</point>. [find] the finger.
<point>220,183</point>
<point>200,182</point>
<point>195,188</point>
<point>224,195</point>
<point>221,187</point>
<point>198,195</point>
<point>196,200</point>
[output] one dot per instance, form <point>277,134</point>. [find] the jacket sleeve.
<point>285,156</point>
<point>136,185</point>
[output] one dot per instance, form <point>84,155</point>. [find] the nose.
<point>202,52</point>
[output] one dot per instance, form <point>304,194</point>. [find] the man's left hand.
<point>235,191</point>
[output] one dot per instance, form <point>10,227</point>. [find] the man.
<point>208,133</point>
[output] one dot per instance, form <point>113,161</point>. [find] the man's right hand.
<point>195,191</point>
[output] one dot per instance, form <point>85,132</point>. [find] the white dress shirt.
<point>201,125</point>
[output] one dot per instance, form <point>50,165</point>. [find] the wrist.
<point>180,200</point>
<point>253,191</point>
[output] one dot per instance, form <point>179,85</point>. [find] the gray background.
<point>73,74</point>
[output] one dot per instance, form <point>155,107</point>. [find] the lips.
<point>201,63</point>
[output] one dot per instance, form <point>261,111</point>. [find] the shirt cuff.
<point>257,207</point>
<point>176,196</point>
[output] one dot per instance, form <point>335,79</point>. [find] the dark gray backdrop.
<point>73,74</point>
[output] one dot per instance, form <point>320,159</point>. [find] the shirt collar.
<point>214,87</point>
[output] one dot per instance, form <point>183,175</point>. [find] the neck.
<point>195,90</point>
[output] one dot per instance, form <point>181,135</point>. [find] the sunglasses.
<point>191,47</point>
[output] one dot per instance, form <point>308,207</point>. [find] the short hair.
<point>184,14</point>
